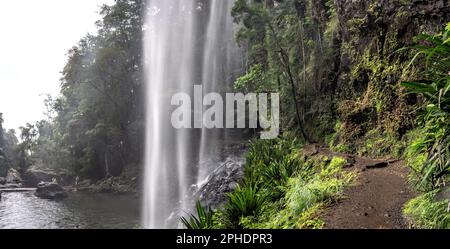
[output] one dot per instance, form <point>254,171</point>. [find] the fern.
<point>203,220</point>
<point>435,87</point>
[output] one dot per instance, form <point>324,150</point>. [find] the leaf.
<point>418,87</point>
<point>203,220</point>
<point>413,60</point>
<point>447,88</point>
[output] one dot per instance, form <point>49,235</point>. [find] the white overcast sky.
<point>34,39</point>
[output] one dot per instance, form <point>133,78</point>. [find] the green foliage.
<point>3,162</point>
<point>416,154</point>
<point>324,187</point>
<point>203,220</point>
<point>2,137</point>
<point>273,162</point>
<point>435,120</point>
<point>286,45</point>
<point>284,190</point>
<point>306,195</point>
<point>256,81</point>
<point>379,143</point>
<point>429,152</point>
<point>333,140</point>
<point>244,202</point>
<point>283,218</point>
<point>12,154</point>
<point>425,212</point>
<point>94,127</point>
<point>281,189</point>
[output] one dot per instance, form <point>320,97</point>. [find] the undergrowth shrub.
<point>244,202</point>
<point>319,182</point>
<point>434,121</point>
<point>429,152</point>
<point>203,220</point>
<point>281,189</point>
<point>272,163</point>
<point>427,213</point>
<point>323,187</point>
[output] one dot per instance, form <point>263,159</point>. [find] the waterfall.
<point>186,43</point>
<point>220,64</point>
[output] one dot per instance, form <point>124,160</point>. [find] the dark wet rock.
<point>227,172</point>
<point>349,165</point>
<point>2,180</point>
<point>213,193</point>
<point>395,160</point>
<point>50,190</point>
<point>369,31</point>
<point>378,165</point>
<point>351,160</point>
<point>222,181</point>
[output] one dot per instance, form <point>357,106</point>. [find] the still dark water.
<point>79,210</point>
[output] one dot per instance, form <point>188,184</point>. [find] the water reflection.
<point>80,210</point>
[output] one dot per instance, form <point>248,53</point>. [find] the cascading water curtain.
<point>187,43</point>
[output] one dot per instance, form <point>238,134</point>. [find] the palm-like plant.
<point>436,85</point>
<point>436,120</point>
<point>203,220</point>
<point>273,161</point>
<point>243,202</point>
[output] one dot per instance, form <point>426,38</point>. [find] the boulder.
<point>225,174</point>
<point>377,165</point>
<point>33,177</point>
<point>13,177</point>
<point>222,181</point>
<point>2,180</point>
<point>50,191</point>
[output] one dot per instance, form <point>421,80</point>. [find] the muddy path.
<point>377,198</point>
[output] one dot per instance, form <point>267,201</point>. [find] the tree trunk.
<point>286,64</point>
<point>304,71</point>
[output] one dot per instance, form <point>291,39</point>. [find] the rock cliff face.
<point>380,27</point>
<point>367,66</point>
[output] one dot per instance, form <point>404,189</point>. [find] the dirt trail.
<point>377,199</point>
